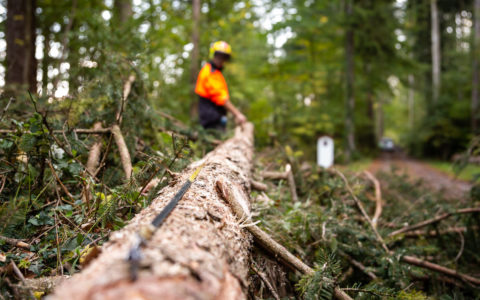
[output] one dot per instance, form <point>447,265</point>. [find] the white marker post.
<point>325,152</point>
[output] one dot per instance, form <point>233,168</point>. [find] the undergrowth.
<point>50,202</point>
<point>326,230</point>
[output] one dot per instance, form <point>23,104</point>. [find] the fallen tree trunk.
<point>200,252</point>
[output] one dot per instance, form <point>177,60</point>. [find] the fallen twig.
<point>274,175</point>
<point>264,278</point>
<point>378,197</point>
<point>445,279</point>
<point>362,210</point>
<point>462,246</point>
<point>4,179</point>
<point>291,182</point>
<point>259,186</point>
<point>287,175</point>
<point>126,91</point>
<point>65,190</point>
<point>433,233</point>
<point>57,131</point>
<point>175,121</point>
<point>6,108</point>
<point>21,277</point>
<point>435,220</point>
<point>357,264</point>
<point>123,150</point>
<point>440,269</point>
<point>95,149</point>
<point>15,242</point>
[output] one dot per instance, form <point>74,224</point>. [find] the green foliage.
<point>287,75</point>
<point>326,225</point>
<point>320,284</point>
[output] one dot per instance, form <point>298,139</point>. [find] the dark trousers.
<point>211,116</point>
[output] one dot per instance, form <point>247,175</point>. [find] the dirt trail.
<point>437,180</point>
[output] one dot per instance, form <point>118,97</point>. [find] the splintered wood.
<point>200,252</point>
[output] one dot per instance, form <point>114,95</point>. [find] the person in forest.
<point>211,87</point>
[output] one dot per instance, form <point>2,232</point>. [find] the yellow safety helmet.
<point>221,47</point>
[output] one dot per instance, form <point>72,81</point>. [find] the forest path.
<point>437,180</point>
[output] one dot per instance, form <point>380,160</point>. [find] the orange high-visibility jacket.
<point>212,85</point>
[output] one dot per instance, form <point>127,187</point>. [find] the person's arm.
<point>239,117</point>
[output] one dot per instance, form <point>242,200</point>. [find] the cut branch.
<point>264,278</point>
<point>123,151</point>
<point>77,131</point>
<point>291,183</point>
<point>440,269</point>
<point>259,186</point>
<point>435,220</point>
<point>378,197</point>
<point>15,242</point>
<point>126,91</point>
<point>357,264</point>
<point>64,188</point>
<point>287,175</point>
<point>433,233</point>
<point>362,210</point>
<point>6,108</point>
<point>235,201</point>
<point>95,149</point>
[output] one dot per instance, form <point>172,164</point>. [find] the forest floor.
<point>416,170</point>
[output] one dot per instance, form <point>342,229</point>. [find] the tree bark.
<point>21,66</point>
<point>122,10</point>
<point>200,252</point>
<point>436,60</point>
<point>350,98</point>
<point>411,101</point>
<point>46,59</point>
<point>379,120</point>
<point>476,66</point>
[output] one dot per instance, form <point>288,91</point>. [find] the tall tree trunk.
<point>476,66</point>
<point>371,138</point>
<point>122,10</point>
<point>436,60</point>
<point>350,98</point>
<point>45,59</point>
<point>20,35</point>
<point>200,252</point>
<point>411,101</point>
<point>379,120</point>
<point>195,62</point>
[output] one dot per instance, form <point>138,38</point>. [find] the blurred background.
<point>355,70</point>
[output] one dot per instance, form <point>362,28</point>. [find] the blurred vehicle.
<point>386,144</point>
